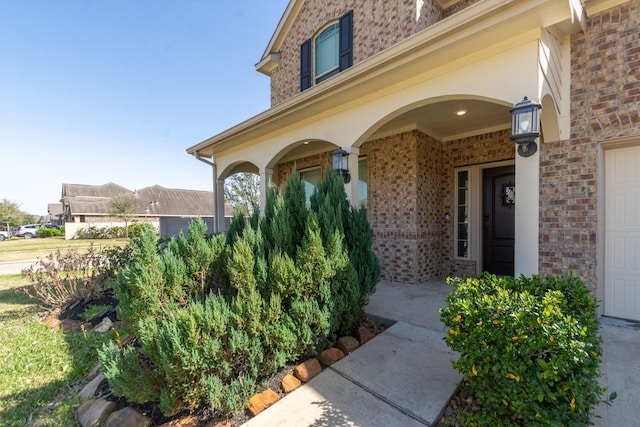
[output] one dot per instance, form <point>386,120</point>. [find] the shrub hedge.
<point>213,316</point>
<point>118,231</point>
<point>530,348</point>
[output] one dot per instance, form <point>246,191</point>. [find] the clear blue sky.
<point>97,91</point>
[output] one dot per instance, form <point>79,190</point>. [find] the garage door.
<point>622,228</point>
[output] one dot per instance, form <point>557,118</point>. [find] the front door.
<point>498,219</point>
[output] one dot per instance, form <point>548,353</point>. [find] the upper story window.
<point>328,53</point>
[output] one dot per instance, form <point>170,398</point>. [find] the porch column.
<point>265,181</point>
<point>218,205</point>
<point>352,187</point>
<point>527,209</point>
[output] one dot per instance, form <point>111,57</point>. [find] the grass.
<point>16,249</point>
<point>41,368</point>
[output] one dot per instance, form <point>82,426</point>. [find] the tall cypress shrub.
<point>296,209</point>
<point>346,232</point>
<point>359,239</point>
<point>214,316</point>
<point>330,204</point>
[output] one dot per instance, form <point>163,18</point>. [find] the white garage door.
<point>622,227</point>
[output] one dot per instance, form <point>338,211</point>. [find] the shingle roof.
<point>156,201</point>
<point>54,208</point>
<point>106,190</point>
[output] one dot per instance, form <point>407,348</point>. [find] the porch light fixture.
<point>340,164</point>
<point>525,126</point>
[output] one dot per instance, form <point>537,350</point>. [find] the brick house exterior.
<point>438,184</point>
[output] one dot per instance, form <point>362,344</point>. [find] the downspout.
<point>214,168</point>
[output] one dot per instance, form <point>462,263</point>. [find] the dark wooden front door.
<point>498,219</point>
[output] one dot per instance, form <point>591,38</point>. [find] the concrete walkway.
<point>15,267</point>
<point>620,373</point>
<point>403,377</point>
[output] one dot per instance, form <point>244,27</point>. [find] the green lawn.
<point>17,249</point>
<point>41,368</point>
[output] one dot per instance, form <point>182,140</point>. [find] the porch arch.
<point>550,120</point>
<point>238,167</point>
<point>452,103</point>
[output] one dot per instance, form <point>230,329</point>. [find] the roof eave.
<point>268,64</point>
<point>284,26</point>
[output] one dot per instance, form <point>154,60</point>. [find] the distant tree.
<point>242,191</point>
<point>123,206</point>
<point>11,215</point>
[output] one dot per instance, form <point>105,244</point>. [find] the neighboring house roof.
<point>54,209</point>
<point>154,201</point>
<point>106,190</point>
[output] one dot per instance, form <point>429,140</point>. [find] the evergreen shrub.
<point>50,232</point>
<point>117,231</point>
<point>530,348</point>
<point>213,316</point>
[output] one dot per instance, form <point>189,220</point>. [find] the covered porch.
<point>423,123</point>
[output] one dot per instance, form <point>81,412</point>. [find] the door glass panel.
<point>462,214</point>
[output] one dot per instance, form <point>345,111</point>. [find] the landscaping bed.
<point>366,329</point>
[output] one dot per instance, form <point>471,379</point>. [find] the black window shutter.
<point>346,40</point>
<point>305,65</point>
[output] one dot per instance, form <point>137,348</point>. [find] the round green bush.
<point>530,348</point>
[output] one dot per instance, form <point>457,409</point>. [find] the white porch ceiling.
<point>440,120</point>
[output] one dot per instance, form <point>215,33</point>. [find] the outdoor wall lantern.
<point>340,164</point>
<point>525,126</point>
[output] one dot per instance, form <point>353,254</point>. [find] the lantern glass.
<point>525,119</point>
<point>339,159</point>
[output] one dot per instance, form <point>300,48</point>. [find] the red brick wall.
<point>377,25</point>
<point>462,4</point>
<point>605,91</point>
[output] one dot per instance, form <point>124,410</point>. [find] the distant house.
<point>54,216</point>
<point>170,209</point>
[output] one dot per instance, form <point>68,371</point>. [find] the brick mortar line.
<point>377,395</point>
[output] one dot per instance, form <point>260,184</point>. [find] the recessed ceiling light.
<point>461,112</point>
<point>306,143</point>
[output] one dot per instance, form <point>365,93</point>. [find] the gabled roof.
<point>154,201</point>
<point>54,208</point>
<point>271,56</point>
